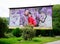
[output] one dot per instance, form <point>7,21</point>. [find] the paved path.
<point>55,42</point>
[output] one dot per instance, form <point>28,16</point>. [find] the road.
<point>55,42</point>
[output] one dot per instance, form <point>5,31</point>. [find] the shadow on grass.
<point>4,42</point>
<point>36,40</point>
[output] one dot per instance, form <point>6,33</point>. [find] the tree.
<point>56,19</point>
<point>3,27</point>
<point>28,32</point>
<point>17,32</point>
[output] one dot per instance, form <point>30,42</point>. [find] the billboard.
<point>38,16</point>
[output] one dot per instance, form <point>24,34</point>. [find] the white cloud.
<point>6,4</point>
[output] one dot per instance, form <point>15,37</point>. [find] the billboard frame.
<point>31,7</point>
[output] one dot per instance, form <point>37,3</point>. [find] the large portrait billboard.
<point>36,16</point>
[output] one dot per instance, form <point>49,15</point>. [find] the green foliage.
<point>9,35</point>
<point>6,20</point>
<point>3,27</point>
<point>28,33</point>
<point>17,32</point>
<point>56,19</point>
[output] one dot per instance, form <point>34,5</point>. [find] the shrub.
<point>3,27</point>
<point>17,32</point>
<point>8,35</point>
<point>9,31</point>
<point>28,33</point>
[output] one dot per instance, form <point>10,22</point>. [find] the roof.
<point>31,7</point>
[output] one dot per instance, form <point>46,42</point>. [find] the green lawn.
<point>36,40</point>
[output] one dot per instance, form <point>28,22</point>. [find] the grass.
<point>36,40</point>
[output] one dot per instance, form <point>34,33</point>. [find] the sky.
<point>6,4</point>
